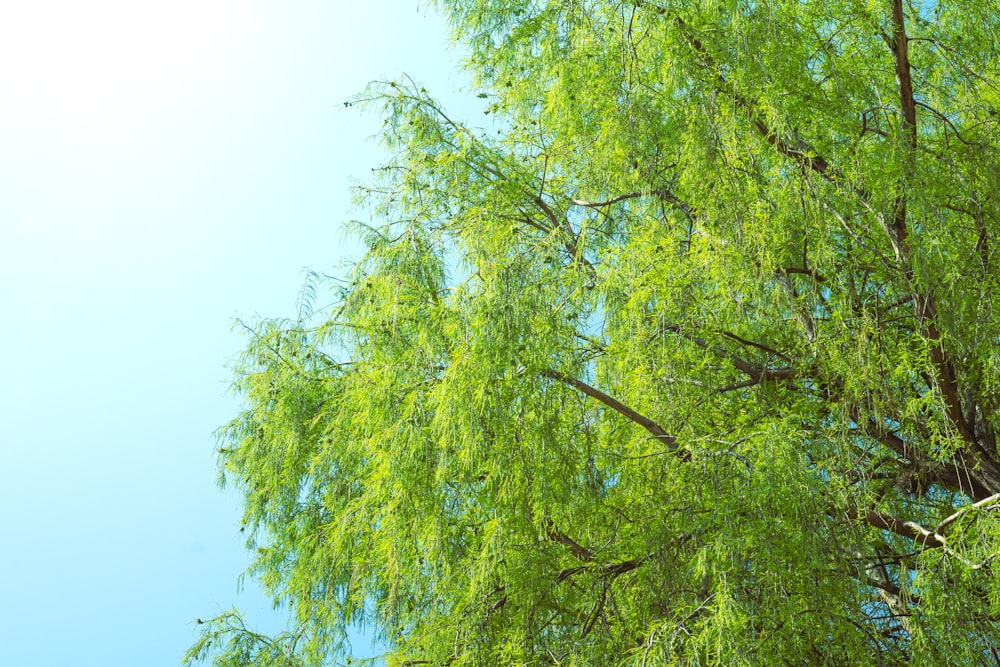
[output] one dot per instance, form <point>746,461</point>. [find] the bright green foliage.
<point>695,362</point>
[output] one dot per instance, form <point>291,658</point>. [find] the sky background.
<point>165,166</point>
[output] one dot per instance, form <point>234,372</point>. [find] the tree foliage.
<point>694,361</point>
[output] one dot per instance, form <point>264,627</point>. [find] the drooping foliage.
<point>695,361</point>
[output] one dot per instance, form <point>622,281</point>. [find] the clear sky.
<point>165,166</point>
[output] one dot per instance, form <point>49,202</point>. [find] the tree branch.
<point>957,476</point>
<point>925,538</point>
<point>616,405</point>
<point>806,272</point>
<point>608,202</point>
<point>757,373</point>
<point>799,151</point>
<point>965,510</point>
<point>904,81</point>
<point>924,306</point>
<point>759,346</point>
<point>580,552</point>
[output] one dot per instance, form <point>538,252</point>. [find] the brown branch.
<point>611,571</point>
<point>608,202</point>
<point>553,533</point>
<point>563,575</point>
<point>757,373</point>
<point>908,122</point>
<point>571,244</point>
<point>888,587</point>
<point>904,81</point>
<point>526,219</point>
<point>759,346</point>
<point>799,151</point>
<point>944,119</point>
<point>924,306</point>
<point>737,385</point>
<point>607,570</point>
<point>664,194</point>
<point>618,569</point>
<point>806,272</point>
<point>957,477</point>
<point>925,538</point>
<point>616,405</point>
<point>881,434</point>
<point>595,614</point>
<point>547,210</point>
<point>946,373</point>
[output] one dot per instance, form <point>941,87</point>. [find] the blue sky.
<point>164,168</point>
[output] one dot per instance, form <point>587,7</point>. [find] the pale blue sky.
<point>164,167</point>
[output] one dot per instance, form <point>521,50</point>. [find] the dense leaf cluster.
<point>695,362</point>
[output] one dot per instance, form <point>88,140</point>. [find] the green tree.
<point>694,361</point>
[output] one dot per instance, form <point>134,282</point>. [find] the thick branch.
<point>908,529</point>
<point>756,373</point>
<point>801,152</point>
<point>606,570</point>
<point>957,476</point>
<point>904,81</point>
<point>580,552</point>
<point>616,405</point>
<point>806,272</point>
<point>923,302</point>
<point>798,151</point>
<point>608,202</point>
<point>923,538</point>
<point>737,385</point>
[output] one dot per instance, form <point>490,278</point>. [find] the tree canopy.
<point>693,358</point>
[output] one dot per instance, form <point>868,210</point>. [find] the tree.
<point>694,361</point>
